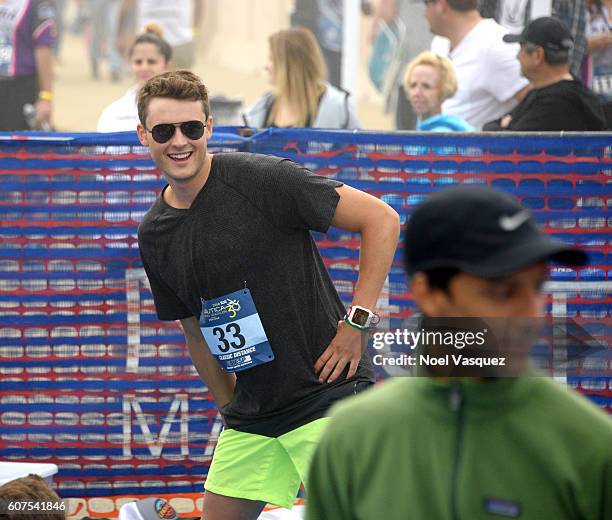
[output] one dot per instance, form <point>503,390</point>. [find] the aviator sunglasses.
<point>163,132</point>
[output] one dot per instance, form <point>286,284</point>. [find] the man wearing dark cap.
<point>468,448</point>
<point>557,101</point>
<point>514,15</point>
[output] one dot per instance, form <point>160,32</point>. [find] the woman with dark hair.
<point>149,56</point>
<point>301,97</point>
<point>599,38</point>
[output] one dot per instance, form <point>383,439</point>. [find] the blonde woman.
<point>429,81</point>
<point>301,96</point>
<point>149,56</point>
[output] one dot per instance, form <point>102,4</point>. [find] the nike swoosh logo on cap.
<point>510,223</point>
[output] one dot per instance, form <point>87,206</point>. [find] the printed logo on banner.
<point>233,331</point>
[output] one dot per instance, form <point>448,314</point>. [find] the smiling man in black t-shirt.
<point>228,251</point>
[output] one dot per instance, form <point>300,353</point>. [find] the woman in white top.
<point>149,56</point>
<point>301,96</point>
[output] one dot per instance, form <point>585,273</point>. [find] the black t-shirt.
<point>251,224</point>
<point>566,105</point>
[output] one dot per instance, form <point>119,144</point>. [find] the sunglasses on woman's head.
<point>163,132</point>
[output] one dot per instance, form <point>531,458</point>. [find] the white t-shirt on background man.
<point>488,74</point>
<point>175,18</point>
<point>512,14</point>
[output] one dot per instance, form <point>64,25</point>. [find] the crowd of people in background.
<point>469,32</point>
<point>482,70</point>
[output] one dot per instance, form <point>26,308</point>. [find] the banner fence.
<point>91,381</point>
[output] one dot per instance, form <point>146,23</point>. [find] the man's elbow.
<point>388,222</point>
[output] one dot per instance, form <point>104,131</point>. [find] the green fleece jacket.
<point>418,448</point>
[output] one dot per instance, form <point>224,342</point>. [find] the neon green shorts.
<point>268,469</point>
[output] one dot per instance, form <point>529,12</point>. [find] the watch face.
<point>360,317</point>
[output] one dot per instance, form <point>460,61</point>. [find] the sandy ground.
<point>80,99</point>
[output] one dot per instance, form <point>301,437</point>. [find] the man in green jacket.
<point>468,448</point>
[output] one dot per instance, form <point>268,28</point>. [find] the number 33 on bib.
<point>233,331</point>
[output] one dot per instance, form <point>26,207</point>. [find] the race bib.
<point>234,333</point>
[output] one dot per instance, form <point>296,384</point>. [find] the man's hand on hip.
<point>345,349</point>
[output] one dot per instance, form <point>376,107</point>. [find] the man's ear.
<point>142,135</point>
<point>431,301</point>
<point>442,5</point>
<point>209,127</point>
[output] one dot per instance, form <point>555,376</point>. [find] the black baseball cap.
<point>481,231</point>
<point>547,32</point>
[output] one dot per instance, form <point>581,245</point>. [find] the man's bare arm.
<point>384,10</point>
<point>379,227</point>
<point>220,383</point>
<point>198,14</point>
<point>599,42</point>
<point>43,57</point>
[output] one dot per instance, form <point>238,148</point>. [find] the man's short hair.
<point>463,5</point>
<point>552,57</point>
<point>32,488</point>
<point>179,84</point>
<point>557,57</point>
<point>440,277</point>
